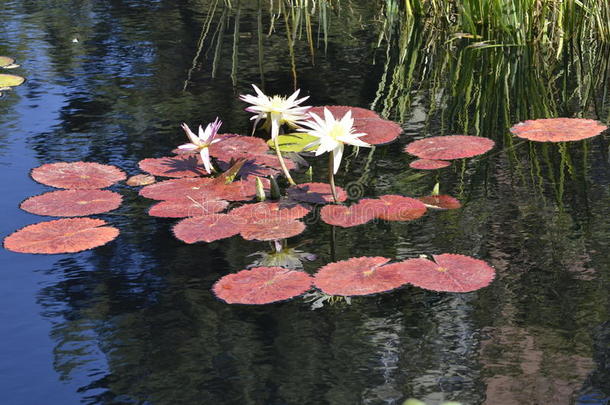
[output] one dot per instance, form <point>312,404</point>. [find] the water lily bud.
<point>260,190</point>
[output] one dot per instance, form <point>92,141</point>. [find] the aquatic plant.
<point>558,129</point>
<point>72,203</point>
<point>77,175</point>
<point>262,285</point>
<point>449,147</point>
<point>201,142</point>
<point>332,136</point>
<point>67,235</point>
<point>277,111</point>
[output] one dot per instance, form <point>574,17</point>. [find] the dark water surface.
<point>134,322</point>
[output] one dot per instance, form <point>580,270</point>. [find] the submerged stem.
<point>276,142</point>
<point>331,175</point>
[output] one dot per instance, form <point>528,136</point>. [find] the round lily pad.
<point>346,217</point>
<point>232,146</point>
<point>558,129</point>
<point>428,164</point>
<point>178,189</point>
<point>66,235</point>
<point>72,203</point>
<point>448,272</point>
<point>206,228</point>
<point>7,80</point>
<point>272,229</point>
<point>186,208</point>
<point>449,147</point>
<point>262,285</point>
<point>399,208</point>
<point>359,276</point>
<point>77,175</point>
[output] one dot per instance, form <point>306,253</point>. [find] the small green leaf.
<point>294,142</point>
<point>413,401</point>
<point>6,61</point>
<point>10,80</point>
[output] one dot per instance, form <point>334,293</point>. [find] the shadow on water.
<point>134,322</point>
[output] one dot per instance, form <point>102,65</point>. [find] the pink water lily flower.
<point>202,141</point>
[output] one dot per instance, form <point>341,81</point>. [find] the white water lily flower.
<point>279,110</point>
<point>202,141</point>
<point>333,135</point>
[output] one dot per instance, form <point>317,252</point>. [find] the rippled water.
<point>134,322</point>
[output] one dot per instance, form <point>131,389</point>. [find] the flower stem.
<point>331,175</point>
<point>276,142</point>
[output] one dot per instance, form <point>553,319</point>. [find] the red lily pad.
<point>449,147</point>
<point>271,229</point>
<point>315,193</point>
<point>558,129</point>
<point>251,169</point>
<point>448,272</point>
<point>359,276</point>
<point>77,175</point>
<point>206,228</point>
<point>174,166</point>
<point>346,217</point>
<point>270,210</point>
<point>186,208</point>
<point>178,189</point>
<point>140,180</point>
<point>72,203</point>
<point>428,164</point>
<point>235,146</point>
<point>399,208</point>
<point>441,202</point>
<point>66,235</point>
<point>241,190</point>
<point>378,130</point>
<point>262,285</point>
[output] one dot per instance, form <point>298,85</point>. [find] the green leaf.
<point>294,142</point>
<point>413,401</point>
<point>10,80</point>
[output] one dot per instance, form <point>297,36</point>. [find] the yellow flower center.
<point>336,131</point>
<point>278,104</point>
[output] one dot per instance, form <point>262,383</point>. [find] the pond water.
<point>135,322</point>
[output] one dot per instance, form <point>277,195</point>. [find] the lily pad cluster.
<point>354,277</point>
<point>82,196</point>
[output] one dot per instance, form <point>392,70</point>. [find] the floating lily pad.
<point>346,217</point>
<point>359,276</point>
<point>428,164</point>
<point>259,166</point>
<point>448,272</point>
<point>449,147</point>
<point>206,228</point>
<point>6,61</point>
<point>77,175</point>
<point>295,142</point>
<point>441,202</point>
<point>66,235</point>
<point>270,210</point>
<point>187,208</point>
<point>179,189</point>
<point>315,193</point>
<point>72,203</point>
<point>141,180</point>
<point>262,285</point>
<point>558,129</point>
<point>272,229</point>
<point>399,208</point>
<point>175,166</point>
<point>233,146</point>
<point>378,130</point>
<point>7,80</point>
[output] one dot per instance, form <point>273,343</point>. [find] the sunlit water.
<point>134,322</point>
